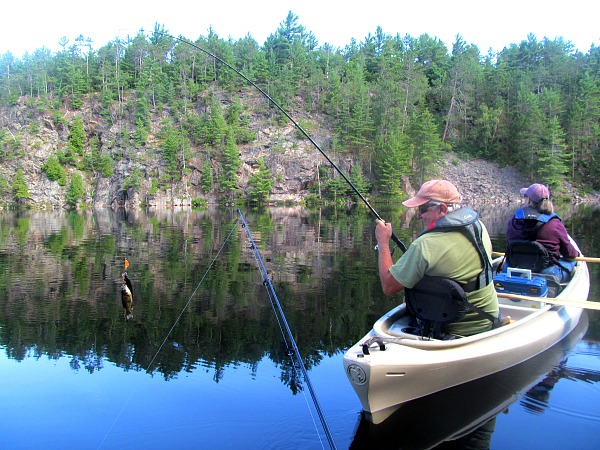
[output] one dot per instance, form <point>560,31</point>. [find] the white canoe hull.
<point>411,367</point>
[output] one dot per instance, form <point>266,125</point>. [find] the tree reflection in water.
<point>60,279</point>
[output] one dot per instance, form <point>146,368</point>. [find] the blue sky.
<point>27,26</point>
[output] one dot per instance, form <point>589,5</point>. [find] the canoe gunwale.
<point>380,327</point>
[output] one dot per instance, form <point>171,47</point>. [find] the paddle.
<point>553,301</point>
<point>578,258</point>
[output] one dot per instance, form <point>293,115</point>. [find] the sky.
<point>489,25</point>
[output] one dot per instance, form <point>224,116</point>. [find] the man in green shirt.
<point>455,245</point>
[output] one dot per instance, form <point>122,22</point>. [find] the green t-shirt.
<point>450,254</point>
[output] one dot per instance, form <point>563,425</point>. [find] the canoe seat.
<point>436,301</point>
<point>524,254</point>
<point>532,255</point>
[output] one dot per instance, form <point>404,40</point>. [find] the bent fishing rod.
<point>281,316</point>
<point>395,238</point>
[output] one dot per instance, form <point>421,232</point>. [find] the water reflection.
<point>465,416</point>
<point>60,281</point>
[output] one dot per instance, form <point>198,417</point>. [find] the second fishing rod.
<point>395,238</point>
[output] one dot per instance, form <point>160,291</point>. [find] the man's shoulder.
<point>441,238</point>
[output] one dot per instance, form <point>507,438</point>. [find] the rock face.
<point>32,135</point>
<point>480,181</point>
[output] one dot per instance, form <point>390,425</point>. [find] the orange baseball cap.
<point>438,190</point>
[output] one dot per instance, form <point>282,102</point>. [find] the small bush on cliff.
<point>260,183</point>
<point>76,136</point>
<point>54,171</point>
<point>20,189</point>
<point>76,189</point>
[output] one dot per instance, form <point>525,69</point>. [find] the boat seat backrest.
<point>530,255</point>
<point>436,301</point>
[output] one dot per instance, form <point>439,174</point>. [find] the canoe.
<point>456,412</point>
<point>391,365</point>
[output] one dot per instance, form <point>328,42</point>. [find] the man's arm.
<point>383,233</point>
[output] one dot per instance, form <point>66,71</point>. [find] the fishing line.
<point>395,238</point>
<point>275,302</point>
<point>192,295</point>
<point>172,328</point>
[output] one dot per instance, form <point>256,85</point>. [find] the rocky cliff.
<point>30,134</point>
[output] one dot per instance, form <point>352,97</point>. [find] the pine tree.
<point>428,147</point>
<point>230,163</point>
<point>216,129</point>
<point>551,157</point>
<point>76,190</point>
<point>260,183</point>
<point>206,177</point>
<point>77,136</point>
<point>359,180</point>
<point>20,190</point>
<point>397,153</point>
<point>54,171</point>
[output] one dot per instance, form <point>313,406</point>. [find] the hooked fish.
<point>126,294</point>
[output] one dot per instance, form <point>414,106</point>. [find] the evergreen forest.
<point>395,103</point>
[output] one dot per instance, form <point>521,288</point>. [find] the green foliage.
<point>100,164</point>
<point>20,189</point>
<point>76,189</point>
<point>54,171</point>
<point>230,163</point>
<point>260,183</point>
<point>199,202</point>
<point>336,188</point>
<point>142,120</point>
<point>428,147</point>
<point>175,150</point>
<point>154,187</point>
<point>4,189</point>
<point>77,137</point>
<point>552,155</point>
<point>358,179</point>
<point>216,126</point>
<point>206,177</point>
<point>397,152</point>
<point>134,179</point>
<point>9,144</point>
<point>511,107</point>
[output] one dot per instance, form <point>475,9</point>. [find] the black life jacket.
<point>465,221</point>
<point>437,301</point>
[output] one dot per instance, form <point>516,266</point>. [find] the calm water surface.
<point>203,363</point>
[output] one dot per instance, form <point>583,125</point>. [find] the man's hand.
<point>383,232</point>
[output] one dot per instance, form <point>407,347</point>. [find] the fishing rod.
<point>395,238</point>
<point>276,305</point>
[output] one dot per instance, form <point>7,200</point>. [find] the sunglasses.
<point>427,206</point>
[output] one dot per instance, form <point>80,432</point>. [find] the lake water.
<point>204,363</point>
